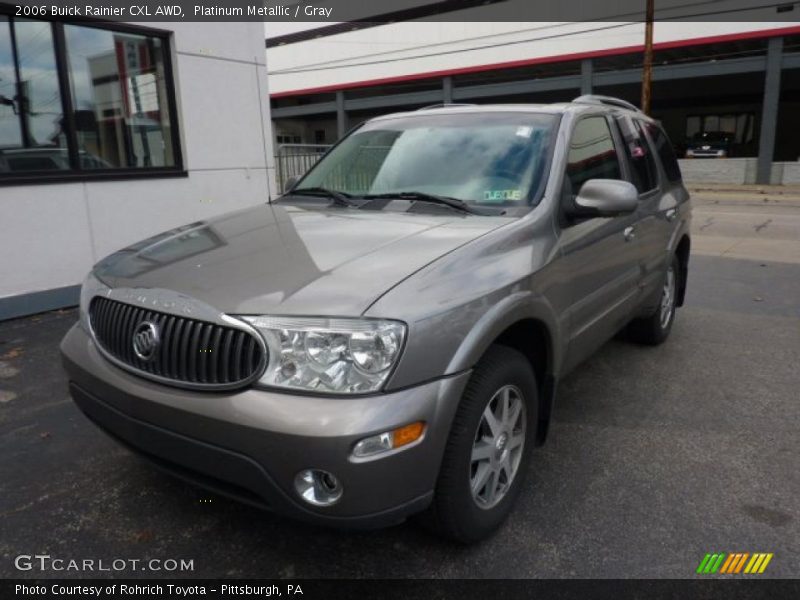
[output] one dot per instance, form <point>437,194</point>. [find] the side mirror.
<point>289,184</point>
<point>605,198</point>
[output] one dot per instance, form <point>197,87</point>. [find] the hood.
<point>715,144</point>
<point>290,259</point>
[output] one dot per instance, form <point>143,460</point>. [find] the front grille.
<point>191,352</point>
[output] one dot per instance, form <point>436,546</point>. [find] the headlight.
<point>340,356</point>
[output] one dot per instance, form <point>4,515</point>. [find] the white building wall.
<point>409,48</point>
<point>51,234</point>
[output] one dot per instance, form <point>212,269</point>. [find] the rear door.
<point>667,206</point>
<point>643,173</point>
<point>600,270</point>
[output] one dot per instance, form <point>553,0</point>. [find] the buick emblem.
<point>145,340</point>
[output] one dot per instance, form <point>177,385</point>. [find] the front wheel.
<point>489,448</point>
<point>653,330</point>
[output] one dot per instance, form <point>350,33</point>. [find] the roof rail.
<point>605,100</point>
<point>445,105</point>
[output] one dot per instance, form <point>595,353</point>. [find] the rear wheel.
<point>654,329</point>
<point>489,448</point>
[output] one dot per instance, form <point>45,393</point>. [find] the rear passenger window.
<point>665,152</point>
<point>591,155</point>
<point>643,165</point>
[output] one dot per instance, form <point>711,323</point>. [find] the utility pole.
<point>647,74</point>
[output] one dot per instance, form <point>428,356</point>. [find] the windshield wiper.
<point>432,198</point>
<point>340,198</point>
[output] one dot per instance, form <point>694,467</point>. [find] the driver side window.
<point>592,155</point>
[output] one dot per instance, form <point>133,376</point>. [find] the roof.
<point>582,104</point>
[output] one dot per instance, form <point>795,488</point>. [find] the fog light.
<point>389,440</point>
<point>318,487</point>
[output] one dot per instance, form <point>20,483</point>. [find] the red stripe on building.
<point>713,39</point>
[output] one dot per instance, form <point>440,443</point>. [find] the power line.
<point>448,52</point>
<point>516,42</point>
<point>466,39</point>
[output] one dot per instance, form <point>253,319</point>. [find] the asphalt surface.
<point>656,456</point>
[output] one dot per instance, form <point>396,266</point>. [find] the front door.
<point>600,263</point>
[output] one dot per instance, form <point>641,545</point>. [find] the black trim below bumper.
<point>220,470</point>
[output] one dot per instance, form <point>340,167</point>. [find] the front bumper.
<point>250,444</point>
<point>706,154</point>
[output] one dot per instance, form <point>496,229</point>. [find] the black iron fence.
<point>294,160</point>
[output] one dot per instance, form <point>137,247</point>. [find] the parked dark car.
<point>46,158</point>
<point>711,144</point>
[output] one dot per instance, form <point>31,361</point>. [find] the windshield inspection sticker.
<point>524,131</point>
<point>501,195</point>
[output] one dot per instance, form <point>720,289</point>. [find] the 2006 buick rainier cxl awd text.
<point>387,336</point>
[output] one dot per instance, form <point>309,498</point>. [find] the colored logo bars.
<point>734,563</point>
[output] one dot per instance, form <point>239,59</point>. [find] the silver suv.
<point>386,338</point>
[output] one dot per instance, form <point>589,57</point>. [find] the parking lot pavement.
<point>656,457</point>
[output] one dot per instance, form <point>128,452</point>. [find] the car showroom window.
<point>665,152</point>
<point>83,100</point>
<point>592,155</point>
<point>643,165</point>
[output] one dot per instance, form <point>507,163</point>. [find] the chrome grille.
<point>190,352</point>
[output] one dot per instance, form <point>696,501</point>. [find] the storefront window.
<point>119,97</point>
<point>740,126</point>
<point>118,113</point>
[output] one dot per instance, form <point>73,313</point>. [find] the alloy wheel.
<point>497,447</point>
<point>668,298</point>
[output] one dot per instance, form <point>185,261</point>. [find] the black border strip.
<point>707,588</point>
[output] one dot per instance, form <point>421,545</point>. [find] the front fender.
<point>519,306</point>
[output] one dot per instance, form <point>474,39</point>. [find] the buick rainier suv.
<point>386,338</point>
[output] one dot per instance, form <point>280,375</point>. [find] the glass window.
<point>665,152</point>
<point>727,123</point>
<point>643,165</point>
<point>739,126</point>
<point>591,155</point>
<point>116,115</point>
<point>119,97</point>
<point>711,123</point>
<point>32,136</point>
<point>692,126</point>
<point>10,131</point>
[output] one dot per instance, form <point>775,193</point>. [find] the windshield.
<point>488,159</point>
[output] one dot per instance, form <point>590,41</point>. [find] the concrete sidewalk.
<point>741,223</point>
<point>712,193</point>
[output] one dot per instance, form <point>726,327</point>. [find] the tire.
<point>502,375</point>
<point>653,330</point>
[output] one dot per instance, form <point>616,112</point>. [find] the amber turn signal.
<point>389,440</point>
<point>402,436</point>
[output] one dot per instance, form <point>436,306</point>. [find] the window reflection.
<point>32,136</point>
<point>591,155</point>
<point>119,97</point>
<point>162,249</point>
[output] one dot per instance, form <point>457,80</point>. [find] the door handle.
<point>629,233</point>
<point>671,214</point>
